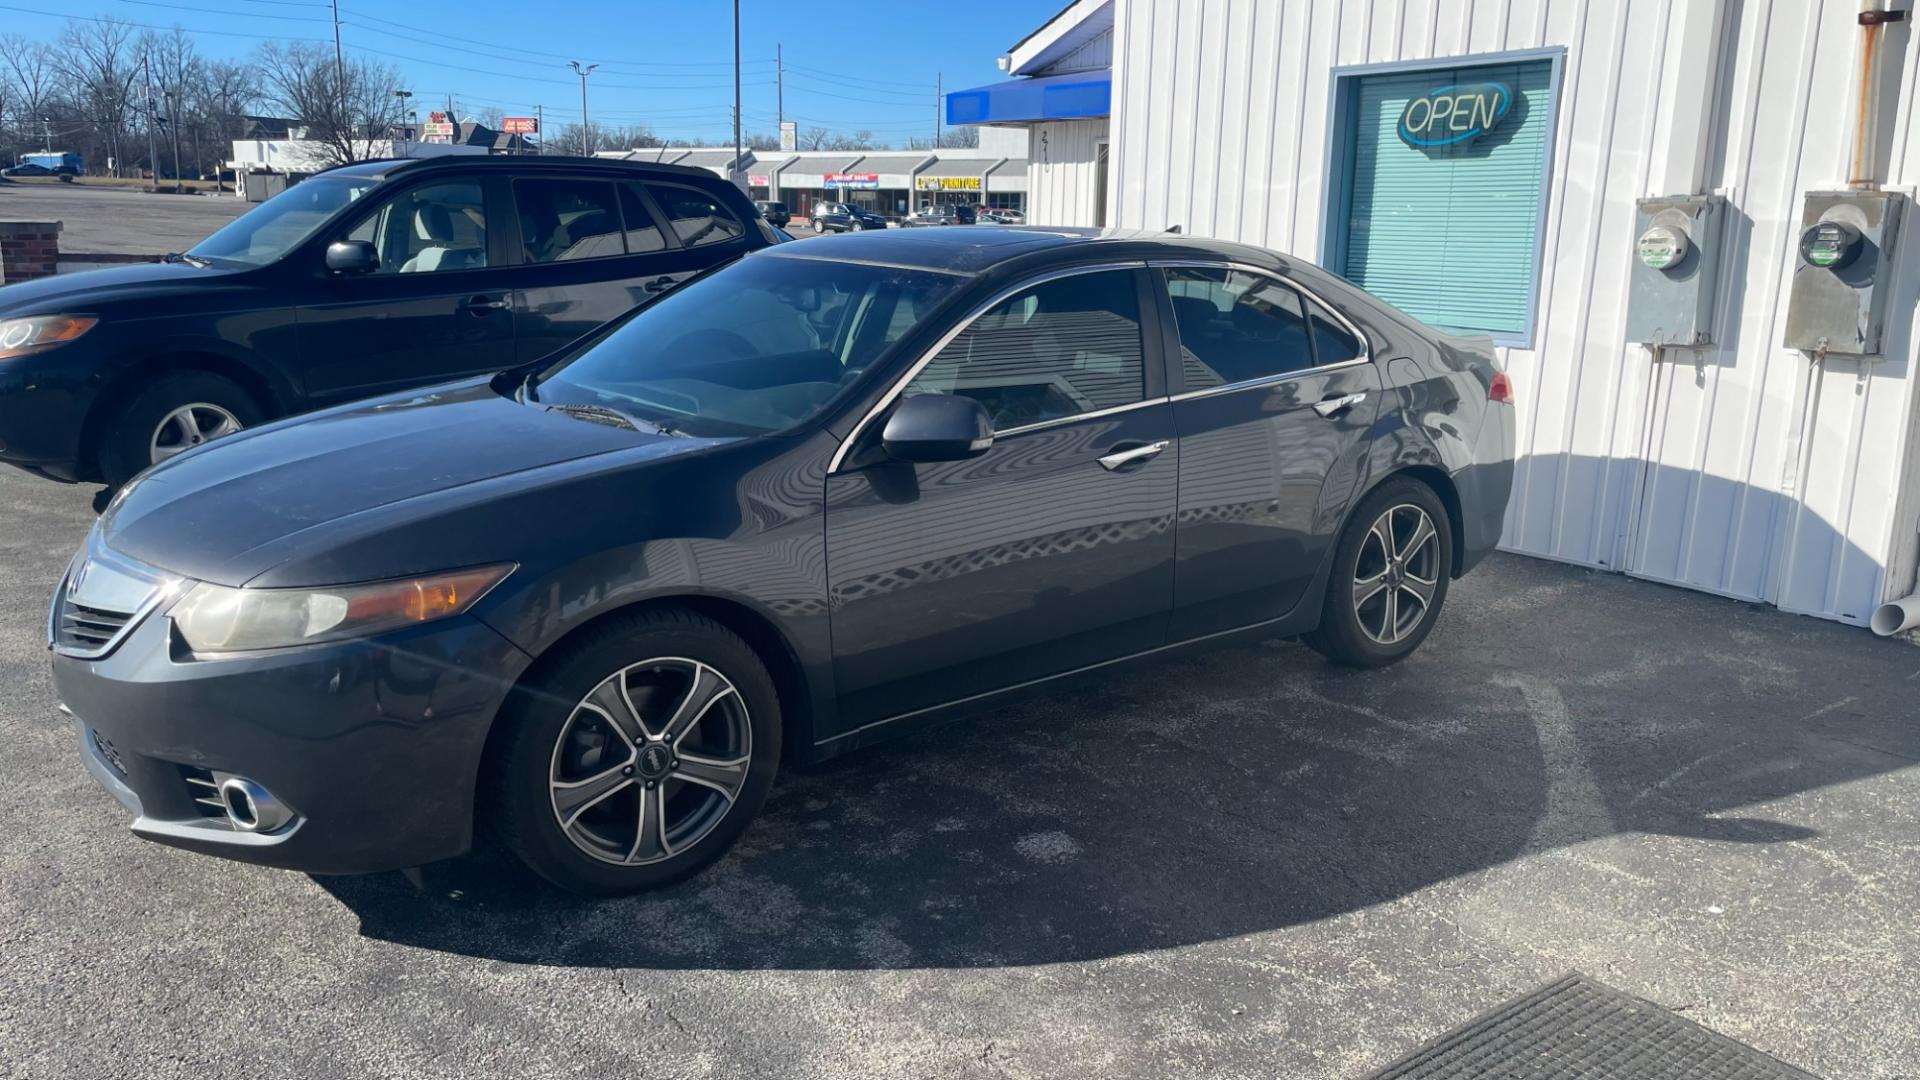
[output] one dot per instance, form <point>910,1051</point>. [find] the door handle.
<point>1334,406</point>
<point>658,285</point>
<point>480,305</point>
<point>1139,453</point>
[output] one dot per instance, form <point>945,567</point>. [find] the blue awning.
<point>1048,97</point>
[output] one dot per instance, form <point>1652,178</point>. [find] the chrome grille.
<point>104,596</point>
<point>204,790</point>
<point>88,629</point>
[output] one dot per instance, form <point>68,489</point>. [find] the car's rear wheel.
<point>171,415</point>
<point>636,756</point>
<point>1390,576</point>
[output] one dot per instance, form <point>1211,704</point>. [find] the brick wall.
<point>28,250</point>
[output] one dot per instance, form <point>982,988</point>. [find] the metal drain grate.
<point>1578,1029</point>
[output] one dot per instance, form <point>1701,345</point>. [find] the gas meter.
<point>1843,275</point>
<point>1675,275</point>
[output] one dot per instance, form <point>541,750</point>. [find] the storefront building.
<point>1495,168</point>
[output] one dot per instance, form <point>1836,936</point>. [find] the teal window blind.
<point>1450,234</point>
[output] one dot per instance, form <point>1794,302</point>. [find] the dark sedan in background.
<point>845,217</point>
<point>823,495</point>
<point>358,281</point>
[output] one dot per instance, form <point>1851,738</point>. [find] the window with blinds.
<point>1449,233</point>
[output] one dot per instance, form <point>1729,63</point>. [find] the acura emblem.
<point>73,582</point>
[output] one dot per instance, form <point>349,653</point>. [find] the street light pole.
<point>586,132</point>
<point>406,132</point>
<point>735,169</point>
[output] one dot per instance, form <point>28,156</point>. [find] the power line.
<point>156,26</point>
<point>834,76</point>
<point>222,11</point>
<point>610,65</point>
<point>862,100</point>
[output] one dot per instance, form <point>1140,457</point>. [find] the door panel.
<point>956,578</point>
<point>439,307</point>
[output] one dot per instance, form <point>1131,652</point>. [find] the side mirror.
<point>937,427</point>
<point>351,257</point>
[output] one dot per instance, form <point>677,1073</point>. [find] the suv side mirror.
<point>352,257</point>
<point>937,427</point>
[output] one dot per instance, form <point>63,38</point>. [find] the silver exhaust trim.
<point>252,808</point>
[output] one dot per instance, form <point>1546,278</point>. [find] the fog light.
<point>252,808</point>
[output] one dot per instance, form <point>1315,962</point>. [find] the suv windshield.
<point>280,224</point>
<point>757,347</point>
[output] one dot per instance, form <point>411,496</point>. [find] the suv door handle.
<point>659,285</point>
<point>1334,406</point>
<point>1139,453</point>
<point>480,305</point>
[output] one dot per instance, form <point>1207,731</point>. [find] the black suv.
<point>362,280</point>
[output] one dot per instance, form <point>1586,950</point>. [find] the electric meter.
<point>1830,245</point>
<point>1663,247</point>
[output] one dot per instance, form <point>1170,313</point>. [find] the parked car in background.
<point>943,214</point>
<point>50,163</point>
<point>995,215</point>
<point>776,213</point>
<point>822,495</point>
<point>359,281</point>
<point>845,217</point>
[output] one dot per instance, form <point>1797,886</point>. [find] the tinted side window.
<point>695,218</point>
<point>430,228</point>
<point>1236,326</point>
<point>1059,349</point>
<point>567,219</point>
<point>643,233</point>
<point>1332,342</point>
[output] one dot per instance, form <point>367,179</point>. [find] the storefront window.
<point>1445,178</point>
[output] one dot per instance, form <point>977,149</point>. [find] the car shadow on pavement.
<point>1200,798</point>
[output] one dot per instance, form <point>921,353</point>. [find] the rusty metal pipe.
<point>1874,15</point>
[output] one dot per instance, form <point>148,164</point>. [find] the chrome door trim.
<point>1270,380</point>
<point>1095,414</point>
<point>900,384</point>
<point>1366,343</point>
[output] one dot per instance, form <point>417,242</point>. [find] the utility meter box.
<point>1843,271</point>
<point>1676,270</point>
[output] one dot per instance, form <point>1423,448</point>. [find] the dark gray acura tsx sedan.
<point>824,495</point>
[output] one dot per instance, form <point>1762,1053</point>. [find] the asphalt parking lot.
<point>119,221</point>
<point>1238,864</point>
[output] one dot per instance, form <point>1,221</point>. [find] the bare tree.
<point>813,138</point>
<point>31,81</point>
<point>175,66</point>
<point>99,61</point>
<point>345,110</point>
<point>222,96</point>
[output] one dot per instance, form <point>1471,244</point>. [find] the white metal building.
<point>1743,467</point>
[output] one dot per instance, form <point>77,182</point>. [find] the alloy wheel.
<point>1397,574</point>
<point>188,426</point>
<point>650,761</point>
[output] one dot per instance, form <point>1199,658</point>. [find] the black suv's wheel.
<point>1390,576</point>
<point>175,412</point>
<point>636,756</point>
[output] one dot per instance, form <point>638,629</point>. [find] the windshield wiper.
<point>190,260</point>
<point>601,414</point>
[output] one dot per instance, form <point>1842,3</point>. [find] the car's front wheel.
<point>637,755</point>
<point>173,414</point>
<point>1390,576</point>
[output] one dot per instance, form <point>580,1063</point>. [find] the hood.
<point>82,292</point>
<point>202,513</point>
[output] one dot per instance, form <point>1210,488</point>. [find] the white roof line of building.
<point>1051,41</point>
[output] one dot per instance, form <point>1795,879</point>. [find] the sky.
<point>665,63</point>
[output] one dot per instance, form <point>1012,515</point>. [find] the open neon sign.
<point>1454,115</point>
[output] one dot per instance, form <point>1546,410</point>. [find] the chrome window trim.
<point>1270,380</point>
<point>1366,343</point>
<point>1095,414</point>
<point>893,392</point>
<point>782,252</point>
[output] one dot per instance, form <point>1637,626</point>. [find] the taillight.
<point>1501,389</point>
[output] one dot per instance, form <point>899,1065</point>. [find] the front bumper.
<point>44,401</point>
<point>375,744</point>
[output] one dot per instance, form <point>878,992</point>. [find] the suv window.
<point>1062,348</point>
<point>1332,342</point>
<point>434,227</point>
<point>566,219</point>
<point>1237,326</point>
<point>695,218</point>
<point>643,233</point>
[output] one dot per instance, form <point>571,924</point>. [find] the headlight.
<point>37,331</point>
<point>217,619</point>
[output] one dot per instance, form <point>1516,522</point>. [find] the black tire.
<point>1357,634</point>
<point>125,443</point>
<point>527,752</point>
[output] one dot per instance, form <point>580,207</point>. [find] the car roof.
<point>977,249</point>
<point>387,167</point>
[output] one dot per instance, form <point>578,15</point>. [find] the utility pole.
<point>340,69</point>
<point>939,83</point>
<point>406,132</point>
<point>173,131</point>
<point>586,132</point>
<point>735,168</point>
<point>779,93</point>
<point>153,156</point>
<point>540,129</point>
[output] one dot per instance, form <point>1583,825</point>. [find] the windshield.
<point>756,347</point>
<point>280,224</point>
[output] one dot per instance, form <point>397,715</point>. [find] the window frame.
<point>619,215</point>
<point>1343,89</point>
<point>379,201</point>
<point>1176,375</point>
<point>1154,387</point>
